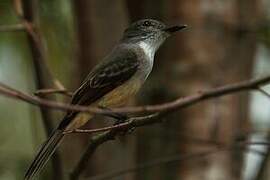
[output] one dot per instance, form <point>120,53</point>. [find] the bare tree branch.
<point>146,120</point>
<point>129,124</point>
<point>163,109</point>
<point>34,100</point>
<point>170,106</point>
<point>24,11</point>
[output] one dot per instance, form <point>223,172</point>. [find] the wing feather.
<point>103,79</point>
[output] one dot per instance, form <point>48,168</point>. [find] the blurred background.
<point>226,41</point>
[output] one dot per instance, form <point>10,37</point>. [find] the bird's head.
<point>149,31</point>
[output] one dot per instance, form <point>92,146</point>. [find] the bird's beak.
<point>173,29</point>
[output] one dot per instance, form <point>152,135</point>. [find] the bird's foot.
<point>120,118</point>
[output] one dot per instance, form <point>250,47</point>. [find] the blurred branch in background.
<point>164,109</point>
<point>27,12</point>
<point>219,49</point>
<point>263,169</point>
<point>157,162</point>
<point>219,147</point>
<point>155,118</point>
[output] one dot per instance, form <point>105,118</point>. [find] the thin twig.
<point>190,100</point>
<point>155,163</point>
<point>99,139</point>
<point>129,124</point>
<point>97,130</point>
<point>26,19</point>
<point>34,100</point>
<point>165,108</point>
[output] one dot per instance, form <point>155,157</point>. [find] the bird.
<point>111,83</point>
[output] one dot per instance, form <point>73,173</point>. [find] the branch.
<point>34,100</point>
<point>155,118</point>
<point>129,124</point>
<point>170,106</point>
<point>113,131</point>
<point>25,12</point>
<point>163,109</point>
<point>175,159</point>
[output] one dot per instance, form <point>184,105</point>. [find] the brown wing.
<point>103,79</point>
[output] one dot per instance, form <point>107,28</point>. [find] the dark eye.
<point>147,23</point>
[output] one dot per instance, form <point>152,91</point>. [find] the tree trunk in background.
<point>42,81</point>
<point>100,24</point>
<point>223,50</point>
<point>217,49</point>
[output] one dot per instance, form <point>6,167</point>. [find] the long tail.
<point>44,154</point>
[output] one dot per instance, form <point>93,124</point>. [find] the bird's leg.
<point>120,118</point>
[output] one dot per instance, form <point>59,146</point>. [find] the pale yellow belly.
<point>120,95</point>
<point>116,98</point>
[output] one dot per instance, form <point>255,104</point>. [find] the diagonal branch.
<point>113,131</point>
<point>25,10</point>
<point>129,124</point>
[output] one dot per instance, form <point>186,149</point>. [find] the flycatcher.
<point>112,82</point>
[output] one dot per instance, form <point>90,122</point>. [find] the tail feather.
<point>44,154</point>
